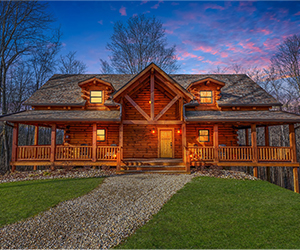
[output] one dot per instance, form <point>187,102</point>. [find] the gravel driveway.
<point>100,219</point>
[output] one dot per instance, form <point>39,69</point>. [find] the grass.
<point>20,200</point>
<point>223,213</point>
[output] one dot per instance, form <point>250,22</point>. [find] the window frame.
<point>212,96</point>
<point>96,97</point>
<point>104,134</point>
<point>208,135</point>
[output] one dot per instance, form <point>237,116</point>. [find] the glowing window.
<point>206,96</point>
<point>100,134</point>
<point>203,135</point>
<point>96,97</point>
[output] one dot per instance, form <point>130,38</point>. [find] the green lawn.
<point>20,200</point>
<point>224,213</point>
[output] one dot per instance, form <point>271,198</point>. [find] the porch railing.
<point>274,153</point>
<point>201,153</point>
<point>73,153</point>
<point>107,153</point>
<point>40,152</point>
<point>240,153</point>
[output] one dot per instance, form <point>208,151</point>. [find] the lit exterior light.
<point>150,102</point>
<point>153,131</point>
<point>115,155</point>
<point>178,131</point>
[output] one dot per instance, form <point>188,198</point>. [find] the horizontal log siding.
<point>83,135</point>
<point>142,98</point>
<point>139,142</point>
<point>227,135</point>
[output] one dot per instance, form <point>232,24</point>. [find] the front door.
<point>166,143</point>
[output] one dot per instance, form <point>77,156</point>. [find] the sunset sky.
<point>207,34</point>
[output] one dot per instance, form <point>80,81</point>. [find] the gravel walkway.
<point>100,219</point>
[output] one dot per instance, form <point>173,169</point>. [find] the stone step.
<point>156,167</point>
<point>152,172</point>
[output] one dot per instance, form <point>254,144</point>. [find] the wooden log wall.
<point>83,134</point>
<point>140,142</point>
<point>142,98</point>
<point>227,135</point>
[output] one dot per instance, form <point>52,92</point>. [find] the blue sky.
<point>207,34</point>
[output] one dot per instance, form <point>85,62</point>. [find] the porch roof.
<point>62,116</point>
<point>242,116</point>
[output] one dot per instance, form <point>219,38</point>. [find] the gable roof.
<point>239,89</point>
<point>164,74</point>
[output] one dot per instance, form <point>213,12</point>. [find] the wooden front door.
<point>166,143</point>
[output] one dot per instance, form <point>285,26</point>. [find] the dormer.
<point>96,92</point>
<point>206,92</point>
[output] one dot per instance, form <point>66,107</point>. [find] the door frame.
<point>173,141</point>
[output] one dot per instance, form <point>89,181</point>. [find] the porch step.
<point>152,172</point>
<point>154,168</point>
<point>153,162</point>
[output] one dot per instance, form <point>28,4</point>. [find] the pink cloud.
<point>213,63</point>
<point>122,10</point>
<point>271,43</point>
<point>101,22</point>
<point>144,2</point>
<point>169,31</point>
<point>156,5</point>
<point>207,49</point>
<point>213,6</point>
<point>297,14</point>
<point>250,46</point>
<point>224,54</point>
<point>260,30</point>
<point>187,54</point>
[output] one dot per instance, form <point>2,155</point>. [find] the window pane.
<point>206,96</point>
<point>96,96</point>
<point>206,100</point>
<point>203,135</point>
<point>100,134</point>
<point>96,93</point>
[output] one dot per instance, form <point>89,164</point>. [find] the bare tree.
<point>69,65</point>
<point>219,70</point>
<point>23,25</point>
<point>137,43</point>
<point>105,67</point>
<point>286,62</point>
<point>43,60</point>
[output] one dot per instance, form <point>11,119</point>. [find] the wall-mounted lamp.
<point>153,131</point>
<point>150,102</point>
<point>178,131</point>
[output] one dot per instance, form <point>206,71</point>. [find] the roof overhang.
<point>206,80</point>
<point>95,80</point>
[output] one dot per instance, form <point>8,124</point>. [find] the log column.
<point>267,143</point>
<point>53,145</point>
<point>14,152</point>
<point>294,156</point>
<point>121,136</point>
<point>36,141</point>
<point>254,148</point>
<point>94,143</point>
<point>183,130</point>
<point>216,142</point>
<point>247,137</point>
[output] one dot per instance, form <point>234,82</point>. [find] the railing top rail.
<point>272,147</point>
<point>108,147</point>
<point>61,146</point>
<point>35,146</point>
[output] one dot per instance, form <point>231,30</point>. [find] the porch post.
<point>188,161</point>
<point>216,142</point>
<point>254,148</point>
<point>53,145</point>
<point>121,129</point>
<point>36,141</point>
<point>183,129</point>
<point>14,152</point>
<point>294,156</point>
<point>292,142</point>
<point>267,143</point>
<point>94,143</point>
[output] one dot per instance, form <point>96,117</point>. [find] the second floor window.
<point>206,96</point>
<point>96,97</point>
<point>203,135</point>
<point>100,134</point>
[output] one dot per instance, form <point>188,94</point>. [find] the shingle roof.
<point>63,115</point>
<point>64,89</point>
<point>234,116</point>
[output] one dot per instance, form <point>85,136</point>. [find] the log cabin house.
<point>153,121</point>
